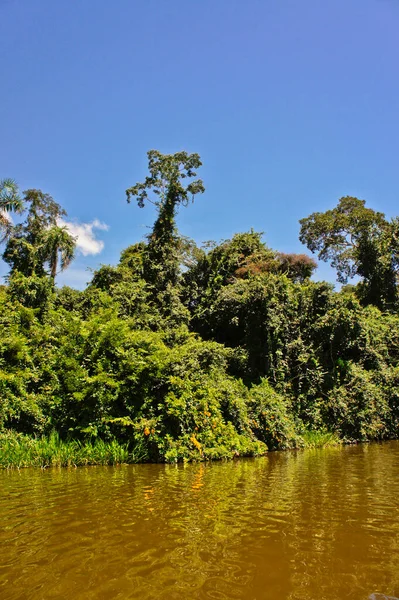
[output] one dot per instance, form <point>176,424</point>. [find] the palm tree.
<point>58,248</point>
<point>10,201</point>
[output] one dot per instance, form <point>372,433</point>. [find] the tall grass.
<point>320,439</point>
<point>18,450</point>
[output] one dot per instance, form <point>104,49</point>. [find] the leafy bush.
<point>271,420</point>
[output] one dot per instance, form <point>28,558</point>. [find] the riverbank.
<point>18,451</point>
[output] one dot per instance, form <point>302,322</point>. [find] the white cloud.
<point>6,215</point>
<point>86,240</point>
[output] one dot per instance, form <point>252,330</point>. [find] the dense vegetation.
<point>188,353</point>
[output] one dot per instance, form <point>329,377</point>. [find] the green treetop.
<point>171,183</point>
<point>358,241</point>
<point>39,242</point>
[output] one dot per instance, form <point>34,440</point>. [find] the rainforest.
<point>185,353</point>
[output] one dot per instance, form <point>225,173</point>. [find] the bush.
<point>270,419</point>
<point>359,409</point>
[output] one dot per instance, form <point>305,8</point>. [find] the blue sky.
<point>291,105</point>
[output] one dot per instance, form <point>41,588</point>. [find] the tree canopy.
<point>358,241</point>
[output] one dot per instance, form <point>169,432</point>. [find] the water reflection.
<point>307,525</point>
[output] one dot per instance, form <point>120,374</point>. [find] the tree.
<point>163,253</point>
<point>58,247</point>
<point>10,201</point>
<point>166,181</point>
<point>298,267</point>
<point>27,249</point>
<point>33,245</point>
<point>359,242</point>
<point>244,257</point>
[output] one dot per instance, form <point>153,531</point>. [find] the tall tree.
<point>58,249</point>
<point>166,185</point>
<point>358,241</point>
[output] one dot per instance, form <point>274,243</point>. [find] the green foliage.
<point>18,451</point>
<point>167,174</point>
<point>218,274</point>
<point>320,439</point>
<point>58,248</point>
<point>39,241</point>
<point>10,201</point>
<point>271,418</point>
<point>161,256</point>
<point>358,241</point>
<point>34,291</point>
<point>182,353</point>
<point>359,408</point>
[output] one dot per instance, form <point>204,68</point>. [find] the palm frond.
<point>10,200</point>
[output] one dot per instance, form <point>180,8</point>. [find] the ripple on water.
<point>306,525</point>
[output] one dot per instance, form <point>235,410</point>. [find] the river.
<point>307,525</point>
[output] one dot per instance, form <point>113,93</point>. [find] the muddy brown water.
<point>310,525</point>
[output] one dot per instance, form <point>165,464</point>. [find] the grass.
<point>320,439</point>
<point>18,451</point>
